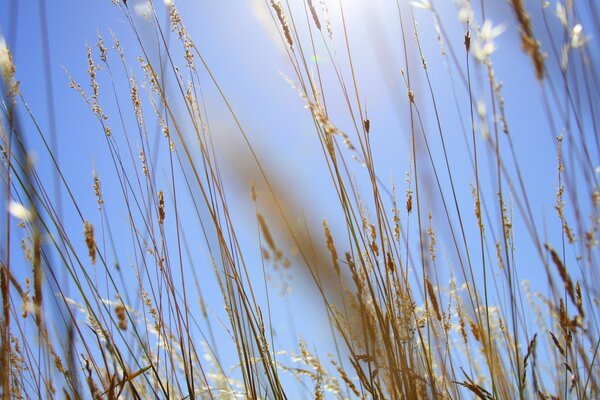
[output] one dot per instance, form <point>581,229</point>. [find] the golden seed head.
<point>135,99</point>
<point>314,15</point>
<point>528,42</point>
<point>562,271</point>
<point>433,298</point>
<point>161,207</point>
<point>7,69</point>
<point>279,11</point>
<point>331,247</point>
<point>102,48</point>
<point>90,241</point>
<point>98,191</point>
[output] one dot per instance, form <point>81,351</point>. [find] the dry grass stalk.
<point>562,271</point>
<point>8,69</point>
<point>161,207</point>
<point>313,13</point>
<point>266,232</point>
<point>560,204</point>
<point>90,240</point>
<point>530,350</point>
<point>331,247</point>
<point>279,11</point>
<point>98,191</point>
<point>528,41</point>
<point>433,298</point>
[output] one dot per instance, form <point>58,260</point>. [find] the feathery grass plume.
<point>559,207</point>
<point>433,298</point>
<point>313,13</point>
<point>279,11</point>
<point>98,190</point>
<point>499,256</point>
<point>579,302</point>
<point>94,391</point>
<point>275,252</point>
<point>331,247</point>
<point>145,169</point>
<point>560,204</point>
<point>253,195</point>
<point>92,73</point>
<point>389,261</point>
<point>182,32</point>
<point>90,240</point>
<point>475,330</point>
<point>161,207</point>
<point>467,41</point>
<point>102,48</point>
<point>325,11</point>
<point>26,299</point>
<point>507,217</point>
<point>477,210</point>
<point>396,216</point>
<point>346,378</point>
<point>432,239</point>
<point>409,200</point>
<point>557,344</point>
<point>528,41</point>
<point>135,100</point>
<point>563,272</point>
<point>8,69</point>
<point>530,351</point>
